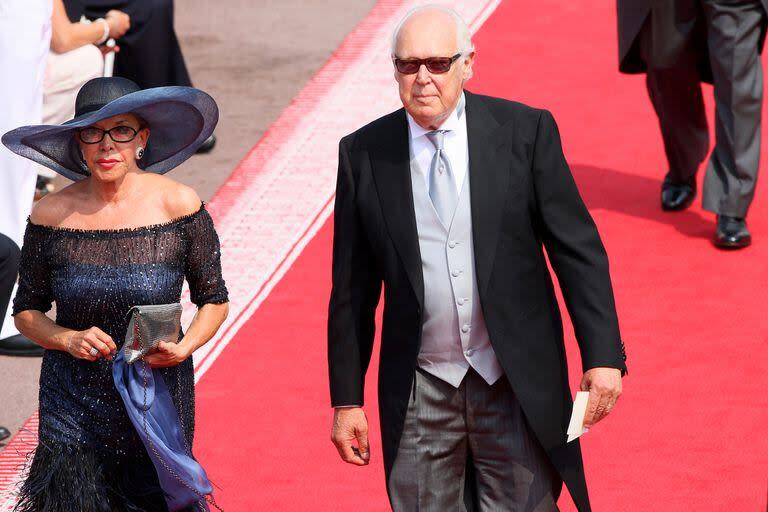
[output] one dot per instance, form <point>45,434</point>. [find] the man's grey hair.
<point>463,34</point>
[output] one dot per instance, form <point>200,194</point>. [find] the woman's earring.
<point>139,153</point>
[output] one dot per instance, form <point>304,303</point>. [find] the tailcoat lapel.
<point>392,174</point>
<point>489,175</point>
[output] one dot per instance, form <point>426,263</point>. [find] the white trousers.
<point>25,36</point>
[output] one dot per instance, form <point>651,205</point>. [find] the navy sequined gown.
<point>89,457</point>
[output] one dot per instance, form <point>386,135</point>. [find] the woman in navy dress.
<point>121,235</point>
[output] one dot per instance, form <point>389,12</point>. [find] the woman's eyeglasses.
<point>93,135</point>
<point>436,65</point>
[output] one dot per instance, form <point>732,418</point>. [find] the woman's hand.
<point>108,49</point>
<point>81,344</point>
<point>168,354</point>
<point>119,23</point>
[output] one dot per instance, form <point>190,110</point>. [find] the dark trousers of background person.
<point>724,37</point>
<point>150,54</point>
<point>9,268</point>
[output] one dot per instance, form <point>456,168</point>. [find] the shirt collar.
<point>451,123</point>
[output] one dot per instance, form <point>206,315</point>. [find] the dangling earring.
<point>139,153</point>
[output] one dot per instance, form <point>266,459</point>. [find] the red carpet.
<point>690,432</point>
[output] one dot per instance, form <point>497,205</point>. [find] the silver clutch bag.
<point>148,326</point>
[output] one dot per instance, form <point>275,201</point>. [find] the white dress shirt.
<point>455,144</point>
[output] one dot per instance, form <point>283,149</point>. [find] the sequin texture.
<point>95,277</point>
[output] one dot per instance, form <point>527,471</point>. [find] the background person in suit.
<point>448,202</point>
<point>679,44</point>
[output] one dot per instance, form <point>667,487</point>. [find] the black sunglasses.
<point>93,135</point>
<point>437,65</point>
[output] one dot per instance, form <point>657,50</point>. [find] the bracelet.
<point>106,31</point>
<point>69,341</point>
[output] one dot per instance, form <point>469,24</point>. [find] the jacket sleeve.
<point>354,294</point>
<point>576,252</point>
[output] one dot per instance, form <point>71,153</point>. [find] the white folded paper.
<point>576,426</point>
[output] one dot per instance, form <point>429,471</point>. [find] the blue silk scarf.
<point>154,416</point>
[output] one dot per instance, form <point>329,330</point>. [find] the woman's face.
<point>109,159</point>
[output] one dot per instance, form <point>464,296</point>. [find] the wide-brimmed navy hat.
<point>180,119</point>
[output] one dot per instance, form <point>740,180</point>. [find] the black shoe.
<point>732,232</point>
<point>20,346</point>
<point>207,146</point>
<point>677,196</point>
<point>4,433</point>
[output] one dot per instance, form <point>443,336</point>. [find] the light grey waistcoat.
<point>454,336</point>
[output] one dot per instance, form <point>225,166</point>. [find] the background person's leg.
<point>733,34</point>
<point>675,93</point>
<point>9,268</point>
<point>678,102</point>
<point>15,344</point>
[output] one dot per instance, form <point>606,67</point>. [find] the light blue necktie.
<point>442,184</point>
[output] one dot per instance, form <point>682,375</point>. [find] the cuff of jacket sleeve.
<point>607,362</point>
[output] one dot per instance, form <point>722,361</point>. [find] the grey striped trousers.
<point>469,449</point>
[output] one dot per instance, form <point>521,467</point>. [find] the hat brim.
<point>179,118</point>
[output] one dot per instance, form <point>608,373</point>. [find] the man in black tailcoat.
<point>450,203</point>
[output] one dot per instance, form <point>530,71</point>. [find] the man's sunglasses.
<point>92,135</point>
<point>436,65</point>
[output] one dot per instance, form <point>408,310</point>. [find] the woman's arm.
<point>49,335</point>
<point>205,324</point>
<point>67,36</point>
<point>202,271</point>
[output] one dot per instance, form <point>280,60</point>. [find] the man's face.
<point>430,97</point>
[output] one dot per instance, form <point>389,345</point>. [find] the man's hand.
<point>350,424</point>
<point>604,386</point>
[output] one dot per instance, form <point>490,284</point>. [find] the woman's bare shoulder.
<point>178,199</point>
<point>54,208</point>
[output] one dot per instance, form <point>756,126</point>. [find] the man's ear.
<point>469,60</point>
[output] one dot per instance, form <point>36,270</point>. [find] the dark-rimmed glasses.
<point>436,65</point>
<point>93,135</point>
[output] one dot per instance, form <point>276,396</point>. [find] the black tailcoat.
<point>523,198</point>
<point>680,17</point>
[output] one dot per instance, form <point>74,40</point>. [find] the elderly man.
<point>448,202</point>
